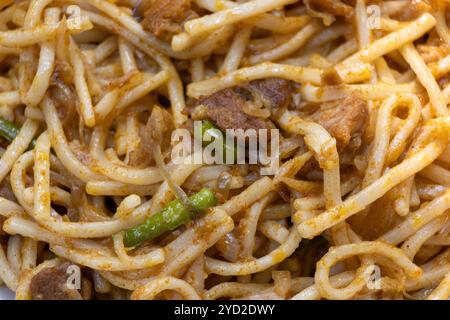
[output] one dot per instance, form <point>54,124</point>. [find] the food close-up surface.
<point>219,149</point>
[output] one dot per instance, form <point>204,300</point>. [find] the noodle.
<point>203,149</point>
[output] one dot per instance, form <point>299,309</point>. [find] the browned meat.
<point>343,119</point>
<point>225,108</point>
<point>411,10</point>
<point>164,18</point>
<point>276,93</point>
<point>332,7</point>
<point>51,284</point>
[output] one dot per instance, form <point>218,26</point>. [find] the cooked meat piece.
<point>326,9</point>
<point>51,284</point>
<point>411,10</point>
<point>225,109</point>
<point>164,18</point>
<point>276,93</point>
<point>343,119</point>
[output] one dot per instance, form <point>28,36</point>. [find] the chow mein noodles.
<point>218,149</point>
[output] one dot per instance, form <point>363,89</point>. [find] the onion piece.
<point>155,137</point>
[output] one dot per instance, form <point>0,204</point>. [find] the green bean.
<point>9,131</point>
<point>170,218</point>
<point>212,132</point>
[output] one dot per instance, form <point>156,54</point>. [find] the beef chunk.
<point>164,18</point>
<point>225,109</point>
<point>276,93</point>
<point>51,284</point>
<point>343,119</point>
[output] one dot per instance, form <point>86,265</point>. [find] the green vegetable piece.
<point>9,131</point>
<point>170,218</point>
<point>209,129</point>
